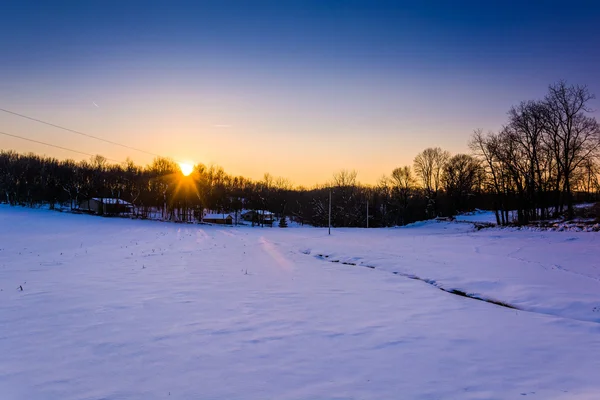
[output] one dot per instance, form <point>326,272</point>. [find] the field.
<point>101,308</point>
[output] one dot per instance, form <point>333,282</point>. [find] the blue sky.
<point>329,84</point>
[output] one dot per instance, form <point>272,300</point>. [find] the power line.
<point>79,133</point>
<point>55,146</point>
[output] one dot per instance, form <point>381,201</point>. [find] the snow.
<point>584,205</point>
<point>478,216</point>
<point>128,309</point>
<point>217,216</point>
<point>489,217</point>
<point>259,212</point>
<point>545,272</point>
<point>108,200</point>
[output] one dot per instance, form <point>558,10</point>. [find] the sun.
<point>186,169</point>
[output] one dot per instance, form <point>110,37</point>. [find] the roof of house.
<point>261,212</point>
<point>217,216</point>
<point>109,200</point>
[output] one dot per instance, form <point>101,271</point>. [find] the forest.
<point>543,160</point>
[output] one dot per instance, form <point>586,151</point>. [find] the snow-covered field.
<point>122,309</point>
<point>479,216</point>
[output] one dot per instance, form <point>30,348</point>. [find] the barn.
<point>223,219</point>
<point>106,205</point>
<point>263,217</point>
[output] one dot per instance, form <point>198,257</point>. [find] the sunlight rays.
<point>186,168</point>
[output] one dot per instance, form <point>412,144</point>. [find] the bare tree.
<point>572,135</point>
<point>345,210</point>
<point>384,188</point>
<point>461,178</point>
<point>283,183</point>
<point>526,128</point>
<point>586,178</point>
<point>429,166</point>
<point>403,184</point>
<point>345,177</point>
<point>268,180</point>
<point>161,172</point>
<point>486,148</point>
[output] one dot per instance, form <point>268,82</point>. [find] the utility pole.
<point>330,211</point>
<point>367,213</point>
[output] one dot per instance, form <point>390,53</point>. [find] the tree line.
<point>542,161</point>
<point>547,151</point>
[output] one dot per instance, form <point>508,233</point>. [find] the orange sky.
<point>305,138</point>
<point>297,89</point>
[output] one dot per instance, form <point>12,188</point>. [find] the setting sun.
<point>186,169</point>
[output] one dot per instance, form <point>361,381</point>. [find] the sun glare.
<point>186,169</point>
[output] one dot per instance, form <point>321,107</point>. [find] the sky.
<point>299,89</point>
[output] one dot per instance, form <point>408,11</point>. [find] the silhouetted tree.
<point>429,167</point>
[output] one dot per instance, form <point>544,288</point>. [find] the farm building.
<point>224,219</point>
<point>106,205</point>
<point>259,217</point>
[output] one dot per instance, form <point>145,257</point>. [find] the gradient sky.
<point>299,89</point>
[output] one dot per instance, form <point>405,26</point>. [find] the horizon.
<point>299,199</point>
<point>300,90</point>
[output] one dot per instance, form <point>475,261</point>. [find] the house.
<point>259,217</point>
<point>223,219</point>
<point>106,205</point>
